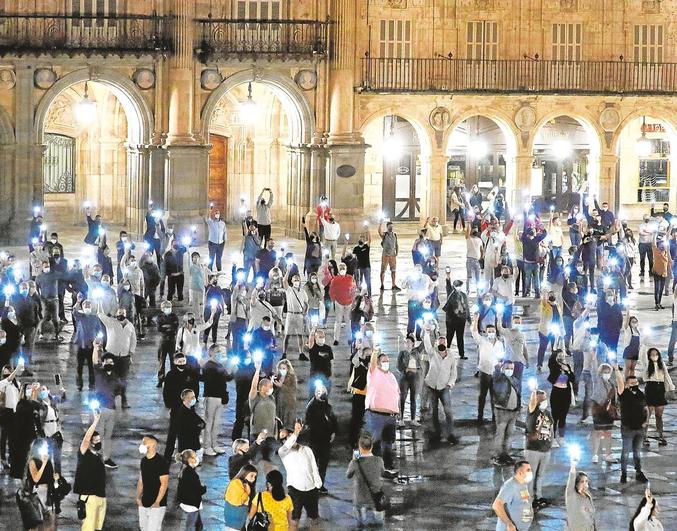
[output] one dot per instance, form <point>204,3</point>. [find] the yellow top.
<point>277,510</point>
<point>237,493</point>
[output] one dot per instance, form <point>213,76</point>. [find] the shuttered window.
<point>482,39</point>
<point>567,42</point>
<point>395,38</point>
<point>648,43</point>
<point>259,9</point>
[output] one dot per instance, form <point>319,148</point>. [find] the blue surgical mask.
<point>44,394</point>
<point>192,402</point>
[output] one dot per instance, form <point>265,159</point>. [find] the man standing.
<point>490,351</point>
<point>634,416</point>
<point>646,231</point>
<point>27,318</point>
<point>168,326</point>
<point>389,254</point>
<point>457,313</point>
<point>215,378</point>
<point>266,259</point>
<point>151,489</point>
<point>515,345</point>
<point>540,435</point>
<point>121,343</point>
<point>263,215</point>
<point>440,379</point>
<point>513,503</point>
<point>297,307</point>
<point>361,252</point>
<point>341,292</point>
<point>382,408</point>
<point>48,284</point>
<point>263,414</point>
<point>434,233</point>
<point>90,478</point>
<point>179,378</point>
<point>217,237</point>
<point>365,470</point>
<point>86,330</point>
<point>419,288</point>
<point>502,290</point>
<point>155,231</point>
<point>107,388</point>
<point>473,255</point>
<point>188,423</point>
<point>251,246</point>
<point>332,232</point>
<point>173,263</point>
<point>507,404</point>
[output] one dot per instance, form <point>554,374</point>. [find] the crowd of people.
<point>262,329</point>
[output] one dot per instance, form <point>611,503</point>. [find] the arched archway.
<point>271,151</point>
<point>645,146</point>
<point>127,170</point>
<point>397,167</point>
<point>481,150</point>
<point>567,159</point>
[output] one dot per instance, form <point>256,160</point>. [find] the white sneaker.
<point>219,450</point>
<point>555,444</point>
<point>595,459</point>
<point>415,423</point>
<point>210,452</point>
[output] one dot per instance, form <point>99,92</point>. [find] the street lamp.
<point>392,144</point>
<point>561,149</point>
<point>644,145</point>
<point>478,149</point>
<point>85,109</point>
<point>249,110</point>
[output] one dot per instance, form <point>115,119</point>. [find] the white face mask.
<point>508,372</point>
<point>529,477</point>
<point>543,405</point>
<point>87,311</point>
<point>385,366</point>
<point>266,327</point>
<point>270,391</point>
<point>491,335</point>
<point>283,372</point>
<point>296,283</point>
<point>606,376</point>
<point>143,449</point>
<point>320,341</point>
<point>167,311</point>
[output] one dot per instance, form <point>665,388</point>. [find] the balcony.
<point>246,39</point>
<point>36,34</point>
<point>522,76</point>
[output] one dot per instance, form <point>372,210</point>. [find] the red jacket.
<point>342,289</point>
<point>323,212</point>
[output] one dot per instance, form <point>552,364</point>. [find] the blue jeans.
<point>543,342</point>
<point>367,515</point>
<point>586,382</point>
<point>382,427</point>
<point>364,275</point>
<point>192,520</point>
<point>631,439</point>
<point>531,271</point>
<point>444,396</point>
<point>507,316</point>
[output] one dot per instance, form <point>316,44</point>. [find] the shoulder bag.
<point>260,521</point>
<point>30,507</point>
<point>381,501</point>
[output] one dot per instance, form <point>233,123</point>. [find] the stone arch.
<point>672,123</point>
<point>135,105</point>
<point>422,130</point>
<point>295,103</point>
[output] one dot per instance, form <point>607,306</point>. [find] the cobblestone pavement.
<point>441,487</point>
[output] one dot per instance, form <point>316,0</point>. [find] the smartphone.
<point>356,454</point>
<point>447,269</point>
<point>57,379</point>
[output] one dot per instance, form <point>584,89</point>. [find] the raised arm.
<point>255,381</point>
<point>87,439</point>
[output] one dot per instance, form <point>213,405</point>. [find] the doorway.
<point>218,171</point>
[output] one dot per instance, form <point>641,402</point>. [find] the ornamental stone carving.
<point>7,79</point>
<point>609,119</point>
<point>525,118</point>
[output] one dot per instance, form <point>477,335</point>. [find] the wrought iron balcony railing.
<point>28,34</point>
<point>517,76</point>
<point>272,39</point>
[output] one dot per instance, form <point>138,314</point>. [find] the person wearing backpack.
<point>365,470</point>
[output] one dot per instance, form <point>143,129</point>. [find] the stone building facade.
<point>382,105</point>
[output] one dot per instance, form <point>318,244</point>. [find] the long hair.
<point>34,454</point>
<point>641,505</point>
<point>651,369</point>
<point>246,469</point>
<point>276,482</point>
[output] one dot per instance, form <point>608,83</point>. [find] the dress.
<point>285,397</point>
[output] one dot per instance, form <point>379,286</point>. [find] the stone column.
<point>299,188</point>
<point>187,162</point>
<point>523,181</point>
<point>138,171</point>
<point>345,146</point>
<point>606,190</point>
<point>437,191</point>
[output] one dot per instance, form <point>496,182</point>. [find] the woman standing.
<point>315,300</point>
<point>658,381</point>
<point>276,502</point>
<point>562,379</point>
<point>556,235</point>
<point>579,504</point>
<point>238,496</point>
<point>190,490</point>
<point>629,248</point>
<point>27,428</point>
<point>313,257</point>
<point>285,384</point>
<point>456,204</point>
<point>603,411</point>
<point>632,341</point>
<point>49,416</point>
<point>574,226</point>
<point>646,515</point>
<point>40,476</point>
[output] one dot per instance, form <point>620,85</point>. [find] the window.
<point>395,38</point>
<point>58,164</point>
<point>258,9</point>
<point>648,46</point>
<point>566,42</point>
<point>482,39</point>
<point>94,8</point>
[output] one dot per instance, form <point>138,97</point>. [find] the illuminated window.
<point>58,164</point>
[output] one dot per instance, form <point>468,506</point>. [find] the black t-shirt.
<point>90,475</point>
<point>361,252</point>
<point>320,359</point>
<point>266,259</point>
<point>151,471</point>
<point>633,409</point>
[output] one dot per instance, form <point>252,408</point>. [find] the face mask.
<point>505,275</point>
<point>320,341</point>
<point>126,286</point>
<point>180,367</point>
<point>369,333</point>
<point>296,284</point>
<point>167,311</point>
<point>44,394</point>
<point>633,388</point>
<point>6,375</point>
<point>269,391</point>
<point>132,264</point>
<point>96,274</point>
<point>96,446</point>
<point>11,315</point>
<point>441,348</point>
<point>491,335</point>
<point>551,298</point>
<point>105,283</point>
<point>192,402</point>
<point>54,240</point>
<point>266,327</point>
<point>508,372</point>
<point>191,322</point>
<point>108,367</point>
<point>606,376</point>
<point>24,292</point>
<point>283,372</point>
<point>217,216</point>
<point>543,405</point>
<point>143,449</point>
<point>560,359</point>
<point>426,306</point>
<point>45,269</point>
<point>385,366</point>
<point>529,477</point>
<point>87,311</point>
<point>609,300</point>
<point>121,318</point>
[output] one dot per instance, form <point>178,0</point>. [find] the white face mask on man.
<point>385,366</point>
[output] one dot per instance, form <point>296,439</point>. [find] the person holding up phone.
<point>90,478</point>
